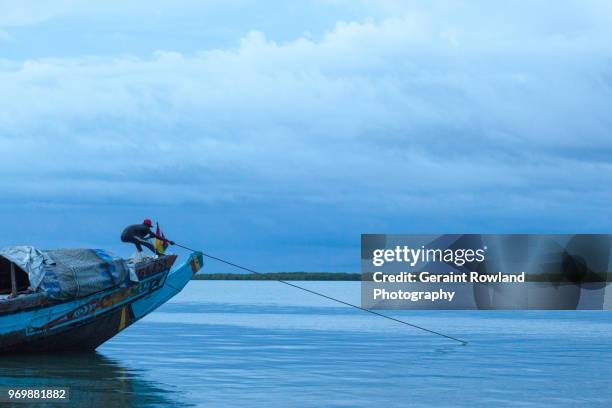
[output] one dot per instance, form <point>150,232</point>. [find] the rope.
<point>463,342</point>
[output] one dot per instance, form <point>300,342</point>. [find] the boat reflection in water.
<point>93,380</point>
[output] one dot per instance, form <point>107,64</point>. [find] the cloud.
<point>405,110</point>
<point>398,117</point>
<point>27,12</point>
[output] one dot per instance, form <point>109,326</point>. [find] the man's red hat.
<point>148,222</point>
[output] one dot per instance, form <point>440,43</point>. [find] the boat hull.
<point>84,324</point>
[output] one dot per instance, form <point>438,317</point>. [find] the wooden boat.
<point>36,321</point>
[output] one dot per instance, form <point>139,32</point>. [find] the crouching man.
<point>138,234</point>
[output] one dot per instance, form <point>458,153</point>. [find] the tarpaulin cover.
<point>69,273</point>
<point>30,259</point>
<point>80,272</point>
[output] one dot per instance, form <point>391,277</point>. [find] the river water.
<point>263,344</point>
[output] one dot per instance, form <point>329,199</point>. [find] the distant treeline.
<point>573,277</point>
<point>342,276</point>
<point>567,277</point>
<point>303,276</point>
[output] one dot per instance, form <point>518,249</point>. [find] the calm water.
<point>263,344</point>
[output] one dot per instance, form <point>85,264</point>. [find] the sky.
<point>275,133</point>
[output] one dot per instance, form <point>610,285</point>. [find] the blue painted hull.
<point>84,324</point>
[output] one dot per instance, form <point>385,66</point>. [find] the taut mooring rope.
<point>463,342</point>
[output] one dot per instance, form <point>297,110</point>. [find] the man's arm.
<point>154,235</point>
<point>150,234</point>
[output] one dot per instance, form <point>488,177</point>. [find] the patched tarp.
<point>69,273</point>
<point>80,272</point>
<point>30,259</point>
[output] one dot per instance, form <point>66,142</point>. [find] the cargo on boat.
<point>76,299</point>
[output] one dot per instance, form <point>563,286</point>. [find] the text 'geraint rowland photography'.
<point>474,271</point>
